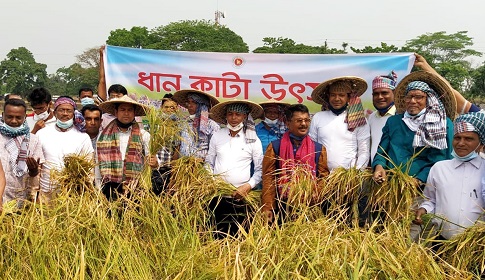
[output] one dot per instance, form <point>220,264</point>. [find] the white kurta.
<point>453,191</point>
<point>57,144</point>
<point>376,123</point>
<point>231,158</point>
<point>344,148</point>
<point>31,122</point>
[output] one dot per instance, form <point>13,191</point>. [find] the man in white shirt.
<point>453,187</point>
<point>21,154</point>
<point>383,100</point>
<point>122,147</point>
<point>59,140</point>
<point>342,127</point>
<point>41,101</point>
<point>231,152</point>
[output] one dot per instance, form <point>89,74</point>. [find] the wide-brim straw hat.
<point>109,106</point>
<point>268,103</point>
<point>319,94</point>
<point>218,112</point>
<point>443,90</point>
<point>182,97</point>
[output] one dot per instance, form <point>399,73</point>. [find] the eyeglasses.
<point>417,98</point>
<point>301,121</point>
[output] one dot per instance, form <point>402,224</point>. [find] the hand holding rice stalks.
<point>165,130</point>
<point>193,185</point>
<point>77,174</point>
<point>165,133</point>
<point>395,196</point>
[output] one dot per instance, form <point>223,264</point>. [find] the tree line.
<point>447,53</point>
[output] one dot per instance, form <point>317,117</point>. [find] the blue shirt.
<point>266,136</point>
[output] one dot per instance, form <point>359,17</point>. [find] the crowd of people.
<point>412,128</point>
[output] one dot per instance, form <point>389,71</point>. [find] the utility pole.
<point>217,16</point>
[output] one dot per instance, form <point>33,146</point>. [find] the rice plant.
<point>143,236</point>
<point>343,189</point>
<point>76,175</point>
<point>466,251</point>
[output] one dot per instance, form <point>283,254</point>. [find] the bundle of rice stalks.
<point>301,187</point>
<point>165,130</point>
<point>194,185</point>
<point>395,196</point>
<point>165,134</point>
<point>9,207</point>
<point>466,251</point>
<point>343,190</point>
<point>76,175</point>
<point>302,191</point>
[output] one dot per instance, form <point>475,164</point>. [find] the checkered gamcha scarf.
<point>17,146</point>
<point>111,165</point>
<point>474,122</point>
<point>432,130</point>
<point>355,113</point>
<point>197,140</point>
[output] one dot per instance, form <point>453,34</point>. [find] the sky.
<point>55,31</point>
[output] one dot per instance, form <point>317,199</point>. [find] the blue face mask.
<point>65,125</point>
<point>14,129</point>
<point>406,114</point>
<point>468,157</point>
<point>86,101</point>
<point>270,123</point>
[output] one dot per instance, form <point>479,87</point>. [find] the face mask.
<point>64,125</point>
<point>235,128</point>
<point>270,123</point>
<point>14,129</point>
<point>86,101</point>
<point>468,157</point>
<point>42,116</point>
<point>406,114</point>
<point>192,116</point>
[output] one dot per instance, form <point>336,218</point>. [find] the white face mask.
<point>42,116</point>
<point>235,128</point>
<point>270,123</point>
